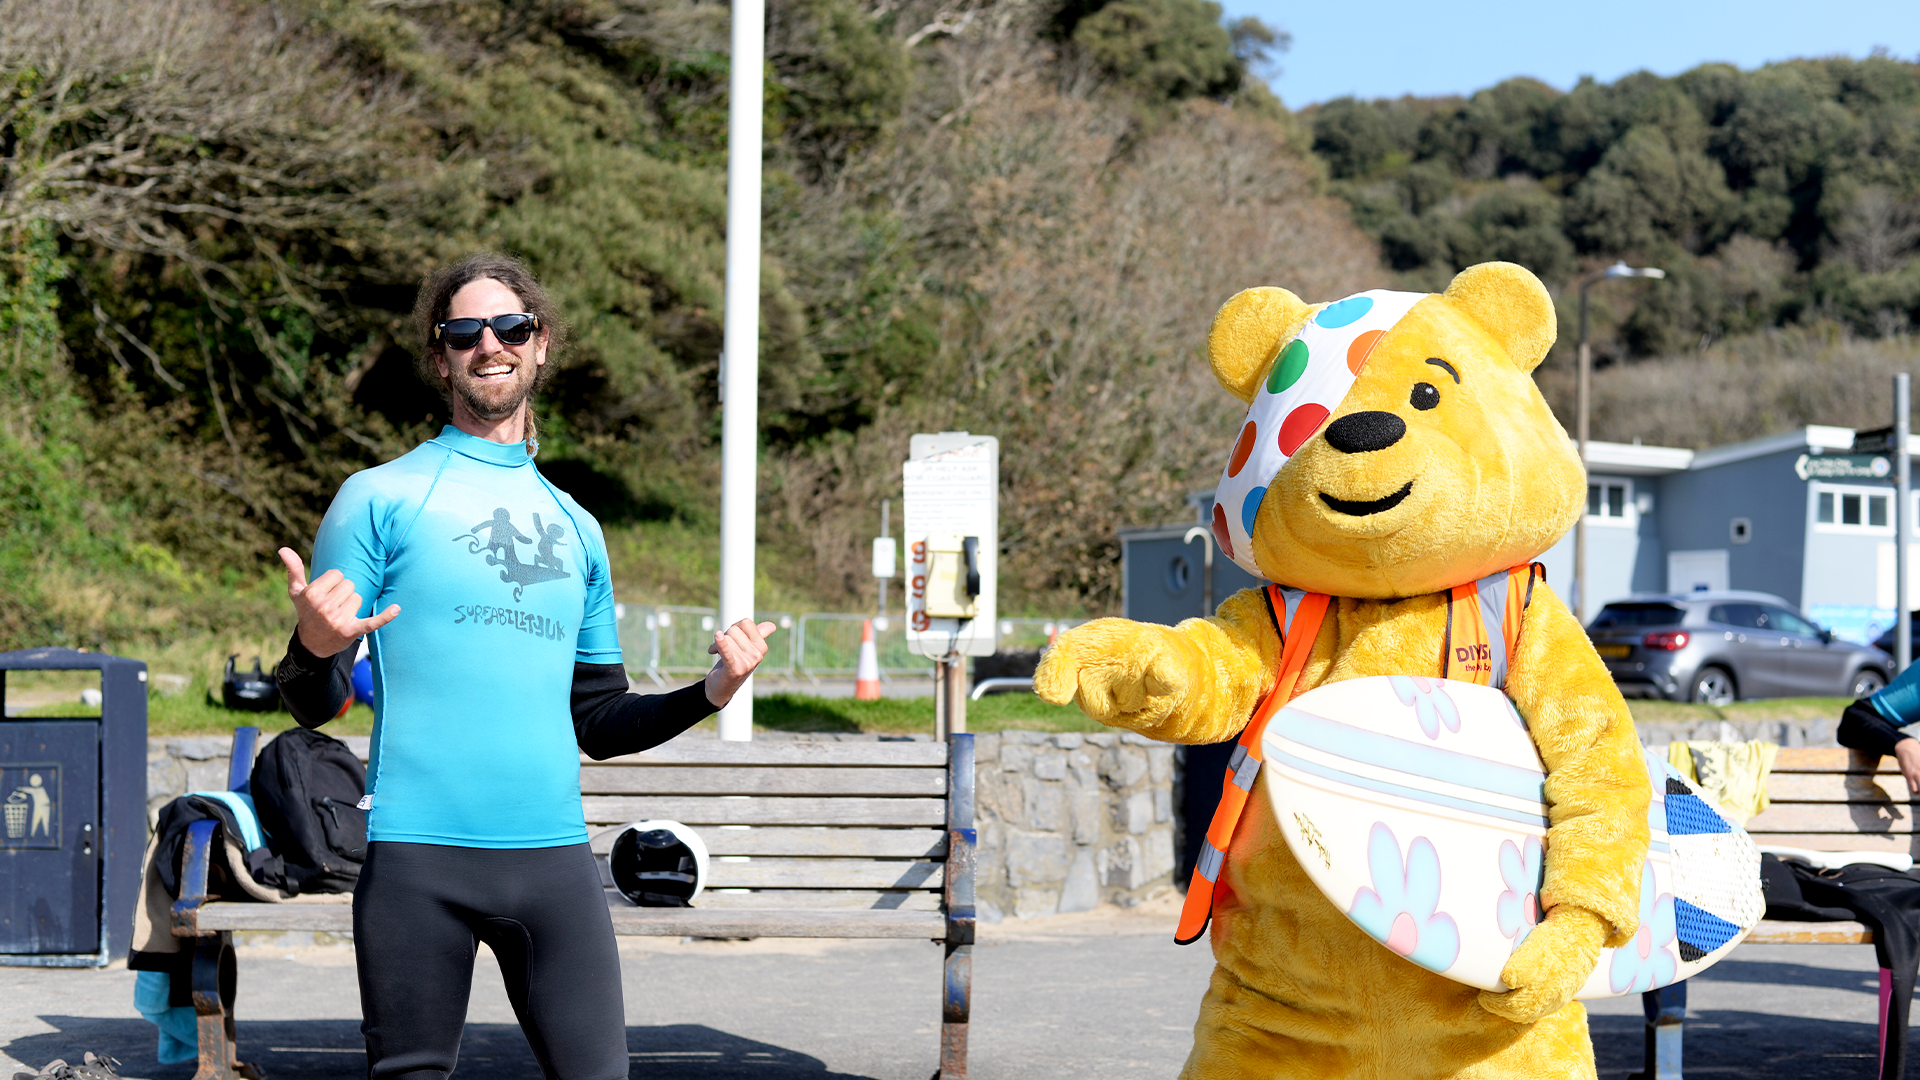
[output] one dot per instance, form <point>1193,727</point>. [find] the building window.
<point>1610,502</point>
<point>1852,509</point>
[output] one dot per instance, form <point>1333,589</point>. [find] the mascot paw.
<point>1549,967</point>
<point>1117,671</point>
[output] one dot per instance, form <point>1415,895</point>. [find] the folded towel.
<point>1733,775</point>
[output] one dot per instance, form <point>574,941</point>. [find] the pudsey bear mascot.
<point>1397,464</point>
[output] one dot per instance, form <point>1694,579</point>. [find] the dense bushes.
<point>1009,216</point>
<point>1780,195</point>
<point>218,211</point>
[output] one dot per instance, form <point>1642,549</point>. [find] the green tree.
<point>1167,50</point>
<point>1644,192</point>
<point>1352,137</point>
<point>1519,222</point>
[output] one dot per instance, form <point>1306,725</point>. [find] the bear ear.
<point>1512,305</point>
<point>1247,335</point>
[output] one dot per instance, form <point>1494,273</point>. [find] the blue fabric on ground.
<point>179,1027</point>
<point>503,585</point>
<point>251,834</point>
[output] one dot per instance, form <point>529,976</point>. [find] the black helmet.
<point>658,864</point>
<point>252,693</point>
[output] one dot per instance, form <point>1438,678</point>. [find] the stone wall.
<point>1067,821</point>
<point>1779,732</point>
<point>181,763</point>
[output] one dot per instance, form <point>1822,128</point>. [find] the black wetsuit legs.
<point>420,911</point>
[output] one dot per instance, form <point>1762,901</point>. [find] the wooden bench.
<point>809,839</point>
<point>1824,799</point>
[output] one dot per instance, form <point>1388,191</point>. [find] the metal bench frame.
<point>1824,799</point>
<point>913,909</point>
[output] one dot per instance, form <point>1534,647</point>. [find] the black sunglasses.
<point>516,328</point>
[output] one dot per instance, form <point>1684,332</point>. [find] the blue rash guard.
<point>503,585</point>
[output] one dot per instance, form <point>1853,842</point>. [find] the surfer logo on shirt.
<point>501,548</point>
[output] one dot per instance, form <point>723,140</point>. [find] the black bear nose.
<point>1357,433</point>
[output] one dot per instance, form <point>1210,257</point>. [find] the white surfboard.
<point>1417,806</point>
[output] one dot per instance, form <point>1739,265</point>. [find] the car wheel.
<point>1867,681</point>
<point>1713,686</point>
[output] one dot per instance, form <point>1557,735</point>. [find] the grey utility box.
<point>74,795</point>
<point>1164,574</point>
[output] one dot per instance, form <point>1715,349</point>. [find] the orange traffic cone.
<point>866,685</point>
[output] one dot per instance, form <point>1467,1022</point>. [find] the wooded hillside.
<point>1007,217</point>
<point>1788,194</point>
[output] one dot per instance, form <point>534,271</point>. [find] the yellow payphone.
<point>953,576</point>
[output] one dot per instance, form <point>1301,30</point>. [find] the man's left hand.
<point>740,648</point>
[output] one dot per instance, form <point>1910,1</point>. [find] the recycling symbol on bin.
<point>30,805</point>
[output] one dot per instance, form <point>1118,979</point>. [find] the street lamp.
<point>1617,270</point>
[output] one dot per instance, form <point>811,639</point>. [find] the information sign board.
<point>1843,467</point>
<point>951,485</point>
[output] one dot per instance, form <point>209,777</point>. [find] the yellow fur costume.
<point>1299,991</point>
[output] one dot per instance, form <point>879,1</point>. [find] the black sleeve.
<point>1863,728</point>
<point>314,687</point>
<point>608,721</point>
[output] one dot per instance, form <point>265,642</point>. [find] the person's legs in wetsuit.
<point>418,914</point>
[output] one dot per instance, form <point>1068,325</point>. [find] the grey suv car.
<point>1714,647</point>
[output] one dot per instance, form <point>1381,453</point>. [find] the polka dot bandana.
<point>1309,379</point>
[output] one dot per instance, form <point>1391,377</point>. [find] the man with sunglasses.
<point>495,662</point>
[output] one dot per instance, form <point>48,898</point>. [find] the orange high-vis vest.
<point>1483,623</point>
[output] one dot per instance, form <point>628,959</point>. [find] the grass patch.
<point>197,709</point>
<point>913,715</point>
<point>678,562</point>
<point>193,710</point>
<point>1676,712</point>
<point>201,714</point>
<point>195,713</point>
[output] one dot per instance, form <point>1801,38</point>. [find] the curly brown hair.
<point>436,299</point>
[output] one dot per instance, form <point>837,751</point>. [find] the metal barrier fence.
<point>828,645</point>
<point>1026,635</point>
<point>667,641</point>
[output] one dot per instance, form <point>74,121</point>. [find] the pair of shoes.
<point>91,1067</point>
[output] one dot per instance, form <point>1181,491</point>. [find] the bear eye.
<point>1425,396</point>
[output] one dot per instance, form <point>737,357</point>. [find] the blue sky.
<point>1385,48</point>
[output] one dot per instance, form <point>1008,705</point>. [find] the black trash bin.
<point>74,795</point>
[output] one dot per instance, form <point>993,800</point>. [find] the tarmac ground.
<point>1104,994</point>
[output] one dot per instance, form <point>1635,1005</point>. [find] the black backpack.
<point>306,789</point>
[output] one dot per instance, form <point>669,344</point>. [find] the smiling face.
<point>1442,464</point>
<point>492,381</point>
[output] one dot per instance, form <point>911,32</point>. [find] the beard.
<point>494,399</point>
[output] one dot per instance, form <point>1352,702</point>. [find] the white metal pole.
<point>1902,522</point>
<point>740,341</point>
<point>1580,523</point>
